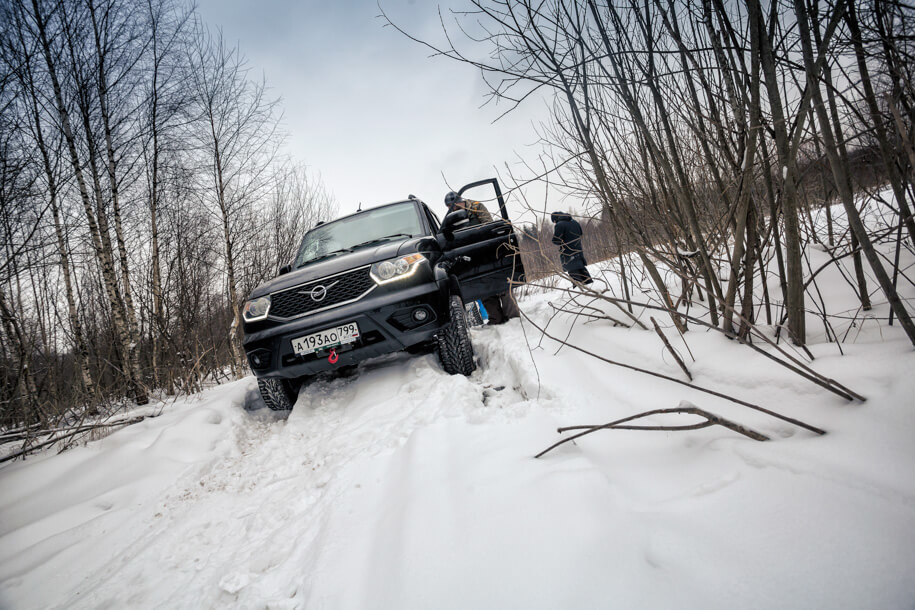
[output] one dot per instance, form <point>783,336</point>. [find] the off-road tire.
<point>474,316</point>
<point>278,394</point>
<point>455,351</point>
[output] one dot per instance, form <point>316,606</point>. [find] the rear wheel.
<point>455,350</point>
<point>278,394</point>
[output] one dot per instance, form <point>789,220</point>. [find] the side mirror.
<point>454,220</point>
<point>285,269</point>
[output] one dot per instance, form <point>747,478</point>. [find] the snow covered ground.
<point>403,487</point>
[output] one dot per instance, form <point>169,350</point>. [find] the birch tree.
<point>237,140</point>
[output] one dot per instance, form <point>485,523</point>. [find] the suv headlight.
<point>396,268</point>
<point>256,309</point>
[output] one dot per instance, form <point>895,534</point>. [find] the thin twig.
<point>670,349</point>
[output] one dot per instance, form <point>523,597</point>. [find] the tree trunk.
<point>132,354</point>
<point>745,215</point>
<point>794,276</point>
<point>235,330</point>
<point>25,379</point>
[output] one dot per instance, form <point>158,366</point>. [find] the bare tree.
<point>237,138</point>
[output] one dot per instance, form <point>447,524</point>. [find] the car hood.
<point>343,262</point>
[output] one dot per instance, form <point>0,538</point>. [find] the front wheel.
<point>278,394</point>
<point>455,350</point>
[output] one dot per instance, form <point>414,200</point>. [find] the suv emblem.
<point>318,293</point>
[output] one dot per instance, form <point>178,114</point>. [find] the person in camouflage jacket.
<point>478,213</point>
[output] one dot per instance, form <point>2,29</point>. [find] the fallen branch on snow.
<point>710,420</point>
<point>69,433</point>
<point>738,401</point>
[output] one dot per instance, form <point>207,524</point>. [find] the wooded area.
<point>705,133</point>
<point>142,195</point>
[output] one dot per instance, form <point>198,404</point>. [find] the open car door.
<point>486,255</point>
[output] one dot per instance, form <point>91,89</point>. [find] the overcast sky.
<point>369,109</point>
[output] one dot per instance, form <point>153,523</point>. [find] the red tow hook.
<point>333,356</point>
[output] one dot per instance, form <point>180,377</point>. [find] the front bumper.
<point>385,326</point>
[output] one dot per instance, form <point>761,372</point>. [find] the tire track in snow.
<point>450,519</point>
<point>246,528</point>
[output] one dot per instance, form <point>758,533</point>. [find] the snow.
<point>402,487</point>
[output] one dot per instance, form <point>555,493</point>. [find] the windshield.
<point>367,228</point>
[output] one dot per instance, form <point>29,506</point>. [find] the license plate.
<point>330,337</point>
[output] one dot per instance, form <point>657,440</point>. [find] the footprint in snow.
<point>234,582</point>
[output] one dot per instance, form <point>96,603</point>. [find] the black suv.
<point>381,280</point>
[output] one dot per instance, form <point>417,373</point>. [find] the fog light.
<point>420,314</point>
<point>259,358</point>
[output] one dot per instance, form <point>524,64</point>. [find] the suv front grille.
<point>338,289</point>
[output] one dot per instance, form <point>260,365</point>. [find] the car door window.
<point>433,220</point>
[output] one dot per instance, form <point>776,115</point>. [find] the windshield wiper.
<point>325,255</point>
<point>379,240</point>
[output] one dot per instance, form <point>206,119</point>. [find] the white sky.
<point>369,109</point>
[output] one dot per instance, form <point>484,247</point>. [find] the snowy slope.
<point>403,487</point>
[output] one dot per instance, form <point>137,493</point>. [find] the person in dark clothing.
<point>500,307</point>
<point>567,235</point>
